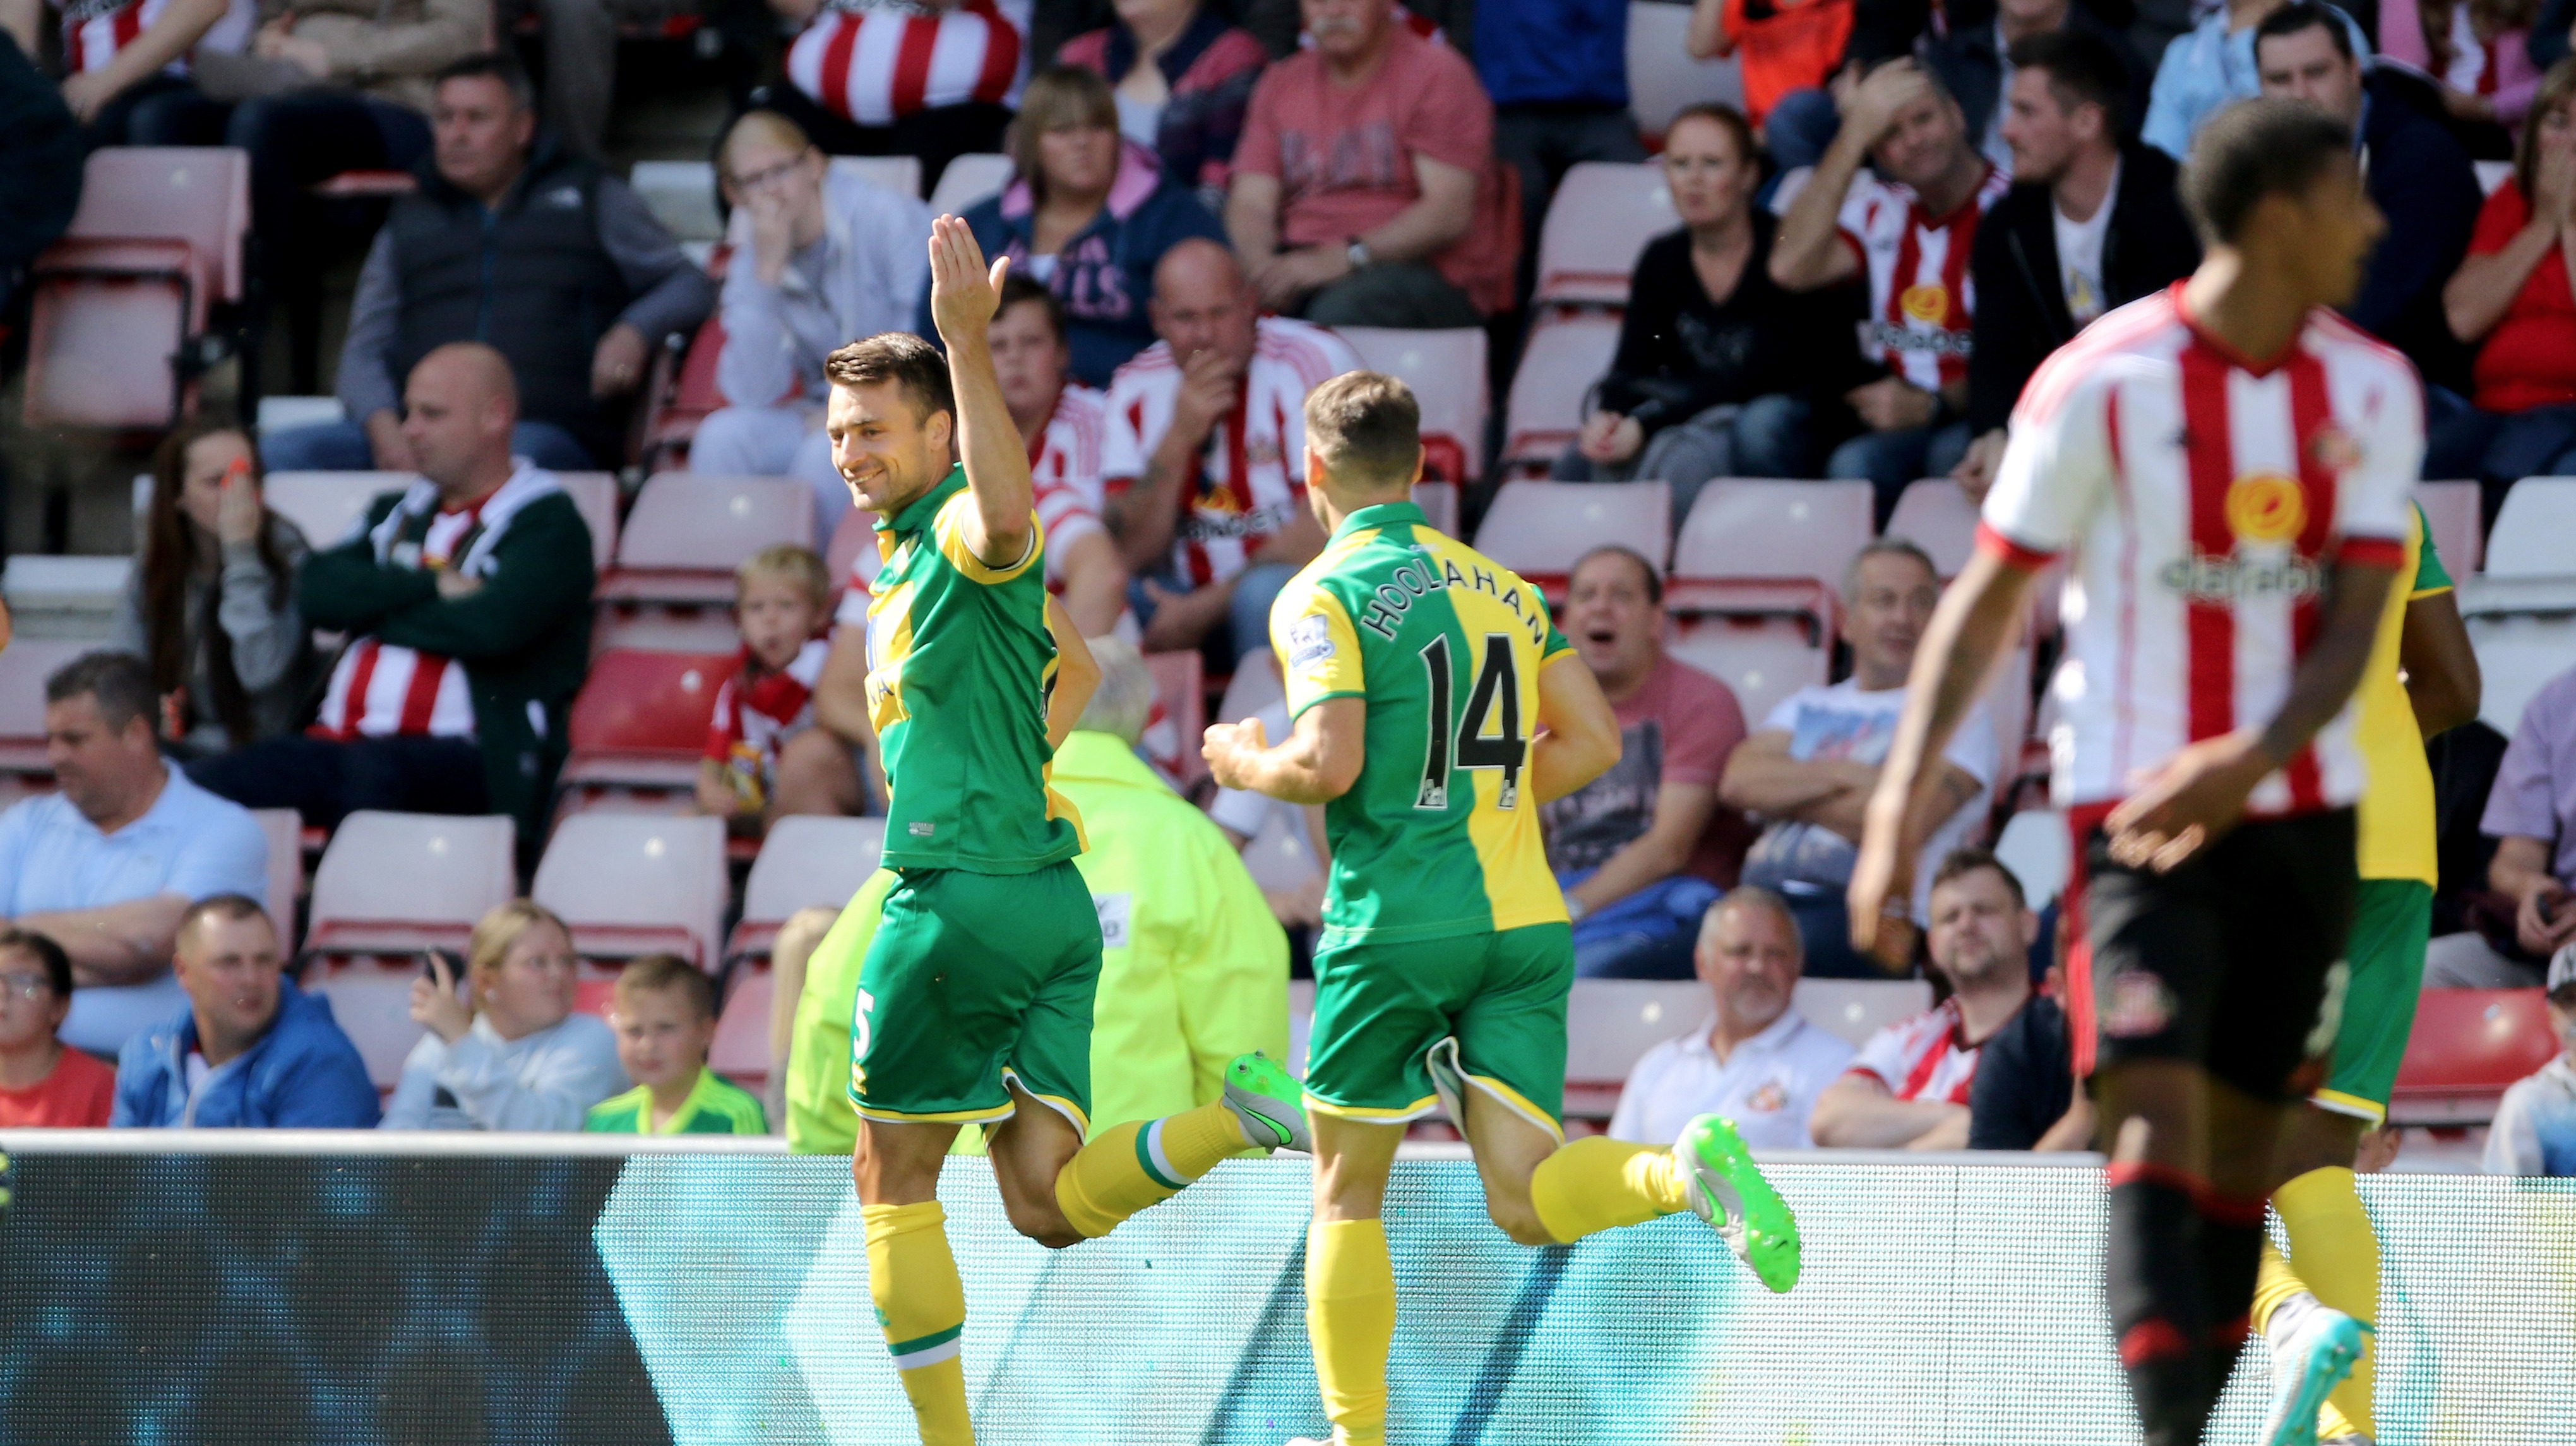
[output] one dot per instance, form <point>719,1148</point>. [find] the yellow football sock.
<point>922,1307</point>
<point>1143,1163</point>
<point>1598,1183</point>
<point>2337,1255</point>
<point>1350,1318</point>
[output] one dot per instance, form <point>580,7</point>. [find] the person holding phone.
<point>510,1054</point>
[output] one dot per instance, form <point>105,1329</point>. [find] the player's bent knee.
<point>1042,1223</point>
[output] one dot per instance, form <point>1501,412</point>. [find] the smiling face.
<point>882,445</point>
<point>1891,599</point>
<point>1923,142</point>
<point>1749,958</point>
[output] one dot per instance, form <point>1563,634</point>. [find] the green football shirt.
<point>1440,835</point>
<point>960,667</point>
<point>715,1106</point>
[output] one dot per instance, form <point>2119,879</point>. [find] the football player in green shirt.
<point>975,999</point>
<point>1435,708</point>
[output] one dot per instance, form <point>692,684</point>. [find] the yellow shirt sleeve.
<point>1319,652</point>
<point>949,528</point>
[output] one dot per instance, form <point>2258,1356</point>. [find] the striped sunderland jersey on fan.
<point>1921,296</point>
<point>877,61</point>
<point>2204,501</point>
<point>1440,834</point>
<point>95,30</point>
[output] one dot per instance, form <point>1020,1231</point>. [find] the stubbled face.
<point>1710,181</point>
<point>662,1040</point>
<point>1925,140</point>
<point>230,969</point>
<point>1611,618</point>
<point>1980,932</point>
<point>883,447</point>
<point>478,134</point>
<point>2041,130</point>
<point>532,987</point>
<point>201,475</point>
<point>1892,600</point>
<point>1749,958</point>
<point>1028,357</point>
<point>776,616</point>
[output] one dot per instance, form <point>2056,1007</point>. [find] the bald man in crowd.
<point>1204,468</point>
<point>466,599</point>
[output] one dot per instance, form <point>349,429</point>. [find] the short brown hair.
<point>1726,118</point>
<point>658,972</point>
<point>1058,97</point>
<point>223,906</point>
<point>899,357</point>
<point>1964,861</point>
<point>1367,427</point>
<point>58,965</point>
<point>1018,289</point>
<point>796,564</point>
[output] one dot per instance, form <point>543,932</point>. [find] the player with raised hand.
<point>1435,708</point>
<point>975,999</point>
<point>2228,464</point>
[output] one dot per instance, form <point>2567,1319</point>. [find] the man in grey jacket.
<point>512,242</point>
<point>818,259</point>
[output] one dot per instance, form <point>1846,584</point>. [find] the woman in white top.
<point>511,1054</point>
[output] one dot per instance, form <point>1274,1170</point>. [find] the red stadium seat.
<point>683,388</point>
<point>1597,226</point>
<point>24,666</point>
<point>120,300</point>
<point>639,727</point>
<point>805,863</point>
<point>632,884</point>
<point>1769,549</point>
<point>1446,370</point>
<point>1541,529</point>
<point>2468,1045</point>
<point>1565,356</point>
<point>689,530</point>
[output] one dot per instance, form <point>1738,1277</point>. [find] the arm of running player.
<point>1859,1112</point>
<point>963,297</point>
<point>2201,792</point>
<point>1581,740</point>
<point>1967,634</point>
<point>2440,667</point>
<point>1317,762</point>
<point>1076,675</point>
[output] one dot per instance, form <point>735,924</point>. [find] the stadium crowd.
<point>1912,208</point>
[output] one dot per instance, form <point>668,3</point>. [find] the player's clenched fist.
<point>1227,745</point>
<point>963,293</point>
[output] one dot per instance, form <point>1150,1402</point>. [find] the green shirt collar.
<point>923,508</point>
<point>1384,514</point>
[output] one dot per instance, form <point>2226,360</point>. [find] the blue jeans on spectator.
<point>1647,935</point>
<point>1247,627</point>
<point>1893,460</point>
<point>342,447</point>
<point>2497,448</point>
<point>1765,437</point>
<point>327,780</point>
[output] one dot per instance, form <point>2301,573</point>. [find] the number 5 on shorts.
<point>859,1035</point>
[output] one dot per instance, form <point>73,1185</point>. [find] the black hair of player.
<point>2266,146</point>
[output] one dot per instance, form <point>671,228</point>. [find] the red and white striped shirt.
<point>1252,476</point>
<point>877,61</point>
<point>381,690</point>
<point>2205,500</point>
<point>1065,464</point>
<point>1923,1058</point>
<point>1922,295</point>
<point>95,30</point>
<point>755,715</point>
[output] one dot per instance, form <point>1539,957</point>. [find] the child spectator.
<point>511,1054</point>
<point>782,596</point>
<point>42,1080</point>
<point>665,1018</point>
<point>2535,1128</point>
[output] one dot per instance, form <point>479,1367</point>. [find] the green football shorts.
<point>973,982</point>
<point>2392,919</point>
<point>1379,1009</point>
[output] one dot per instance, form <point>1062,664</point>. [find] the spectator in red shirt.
<point>1365,189</point>
<point>2511,299</point>
<point>1642,850</point>
<point>759,765</point>
<point>44,1081</point>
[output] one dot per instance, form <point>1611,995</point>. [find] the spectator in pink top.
<point>1365,190</point>
<point>1643,850</point>
<point>1183,75</point>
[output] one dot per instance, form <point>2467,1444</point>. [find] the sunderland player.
<point>2228,464</point>
<point>1434,710</point>
<point>2313,1310</point>
<point>974,1002</point>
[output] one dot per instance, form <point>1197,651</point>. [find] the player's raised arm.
<point>1317,762</point>
<point>964,294</point>
<point>1581,740</point>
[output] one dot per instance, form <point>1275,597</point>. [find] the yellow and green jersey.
<point>1440,835</point>
<point>715,1106</point>
<point>2396,813</point>
<point>960,666</point>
